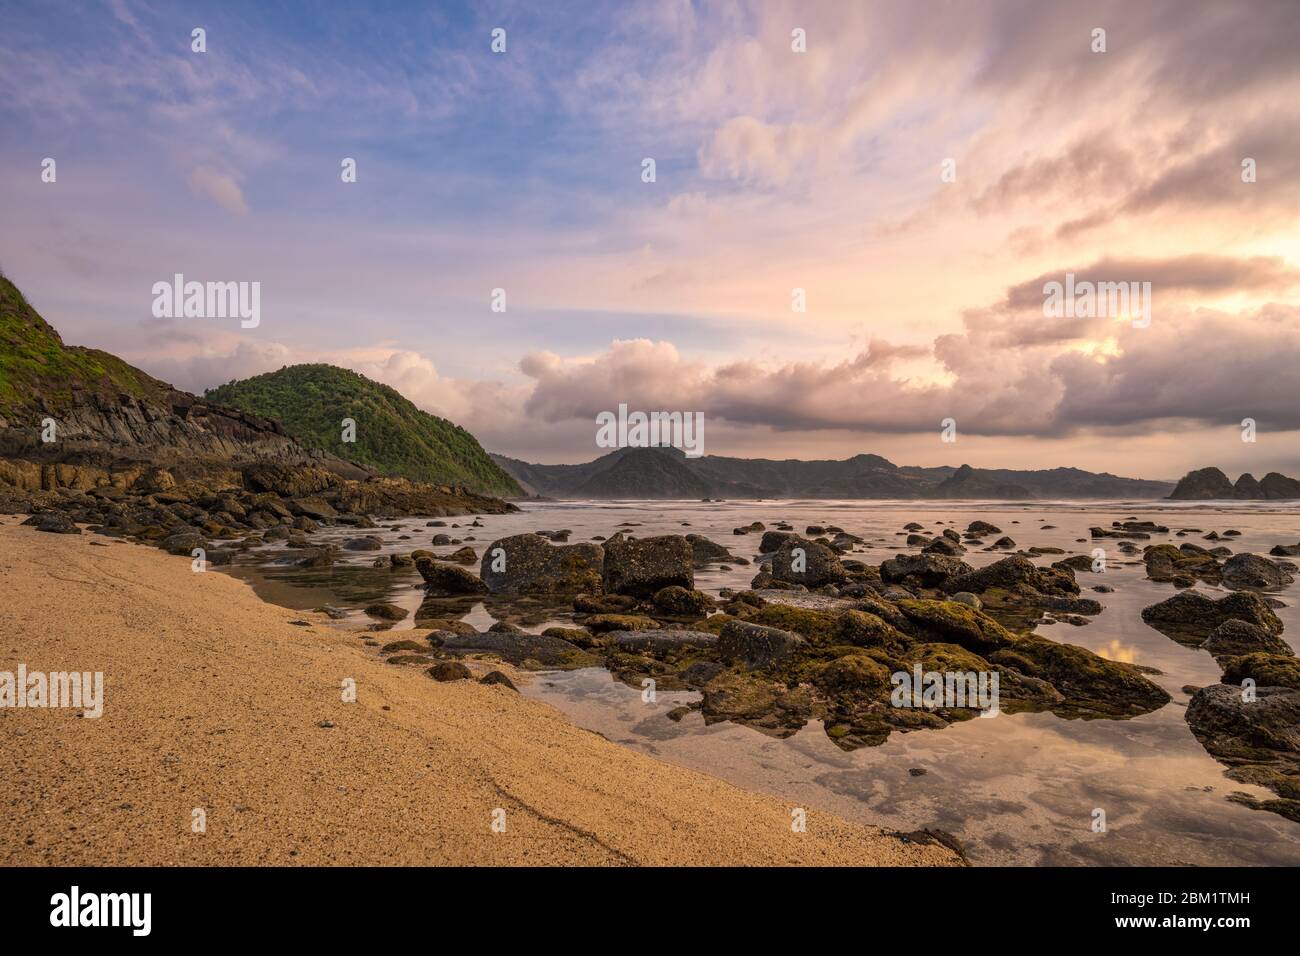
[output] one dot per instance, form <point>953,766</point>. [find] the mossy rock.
<point>857,674</point>
<point>819,627</point>
<point>601,623</point>
<point>1266,670</point>
<point>956,623</point>
<point>1091,685</point>
<point>867,630</point>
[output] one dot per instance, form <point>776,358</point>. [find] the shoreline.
<point>213,700</point>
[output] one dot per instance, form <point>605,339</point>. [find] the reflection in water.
<point>1020,788</point>
<point>1117,650</point>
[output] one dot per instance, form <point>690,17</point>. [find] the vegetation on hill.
<point>392,435</point>
<point>35,364</point>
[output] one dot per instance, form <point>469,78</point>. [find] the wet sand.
<point>214,701</point>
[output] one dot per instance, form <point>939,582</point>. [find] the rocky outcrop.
<point>1207,484</point>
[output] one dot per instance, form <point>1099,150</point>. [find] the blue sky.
<point>776,169</point>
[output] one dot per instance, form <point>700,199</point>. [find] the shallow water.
<point>1017,789</point>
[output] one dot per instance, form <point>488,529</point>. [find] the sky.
<point>919,170</point>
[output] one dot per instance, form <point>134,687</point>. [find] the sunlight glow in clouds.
<point>776,170</point>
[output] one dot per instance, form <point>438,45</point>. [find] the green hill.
<point>392,435</point>
<point>39,373</point>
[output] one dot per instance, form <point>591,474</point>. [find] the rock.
<point>970,600</point>
<point>922,570</point>
<point>387,612</point>
<point>53,522</point>
<point>533,651</point>
<point>808,563</point>
<point>1278,486</point>
<point>1253,572</point>
<point>705,552</point>
<point>660,642</point>
<point>183,543</point>
<point>955,623</point>
<point>445,671</point>
<point>1234,637</point>
<point>368,543</point>
<point>464,555</point>
<point>496,677</point>
<point>1009,573</point>
<point>1090,683</point>
<point>1203,485</point>
<point>1167,564</point>
<point>642,566</point>
<point>1266,670</point>
<point>1189,616</point>
<point>1238,732</point>
<point>980,528</point>
<point>855,674</point>
<point>864,629</point>
<point>440,540</point>
<point>1003,542</point>
<point>944,545</point>
<point>529,564</point>
<point>755,646</point>
<point>601,623</point>
<point>603,603</point>
<point>773,540</point>
<point>677,601</point>
<point>447,579</point>
<point>394,647</point>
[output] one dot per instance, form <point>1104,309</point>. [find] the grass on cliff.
<point>35,364</point>
<point>392,435</point>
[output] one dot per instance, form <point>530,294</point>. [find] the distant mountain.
<point>1211,484</point>
<point>966,482</point>
<point>392,435</point>
<point>668,473</point>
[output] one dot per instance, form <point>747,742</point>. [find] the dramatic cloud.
<point>917,175</point>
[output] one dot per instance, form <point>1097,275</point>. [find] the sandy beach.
<point>215,701</point>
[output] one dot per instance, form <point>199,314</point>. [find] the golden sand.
<point>214,701</point>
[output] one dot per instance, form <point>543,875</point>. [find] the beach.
<point>215,702</point>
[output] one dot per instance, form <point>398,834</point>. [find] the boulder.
<point>529,564</point>
<point>445,671</point>
<point>1255,573</point>
<point>642,566</point>
<point>448,580</point>
<point>677,601</point>
<point>922,570</point>
<point>53,522</point>
<point>1190,616</point>
<point>1234,638</point>
<point>755,646</point>
<point>808,563</point>
<point>523,650</point>
<point>960,624</point>
<point>659,642</point>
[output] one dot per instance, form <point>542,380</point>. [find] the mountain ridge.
<point>668,473</point>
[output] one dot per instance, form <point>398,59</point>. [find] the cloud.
<point>220,188</point>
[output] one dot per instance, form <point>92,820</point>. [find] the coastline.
<point>214,700</point>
